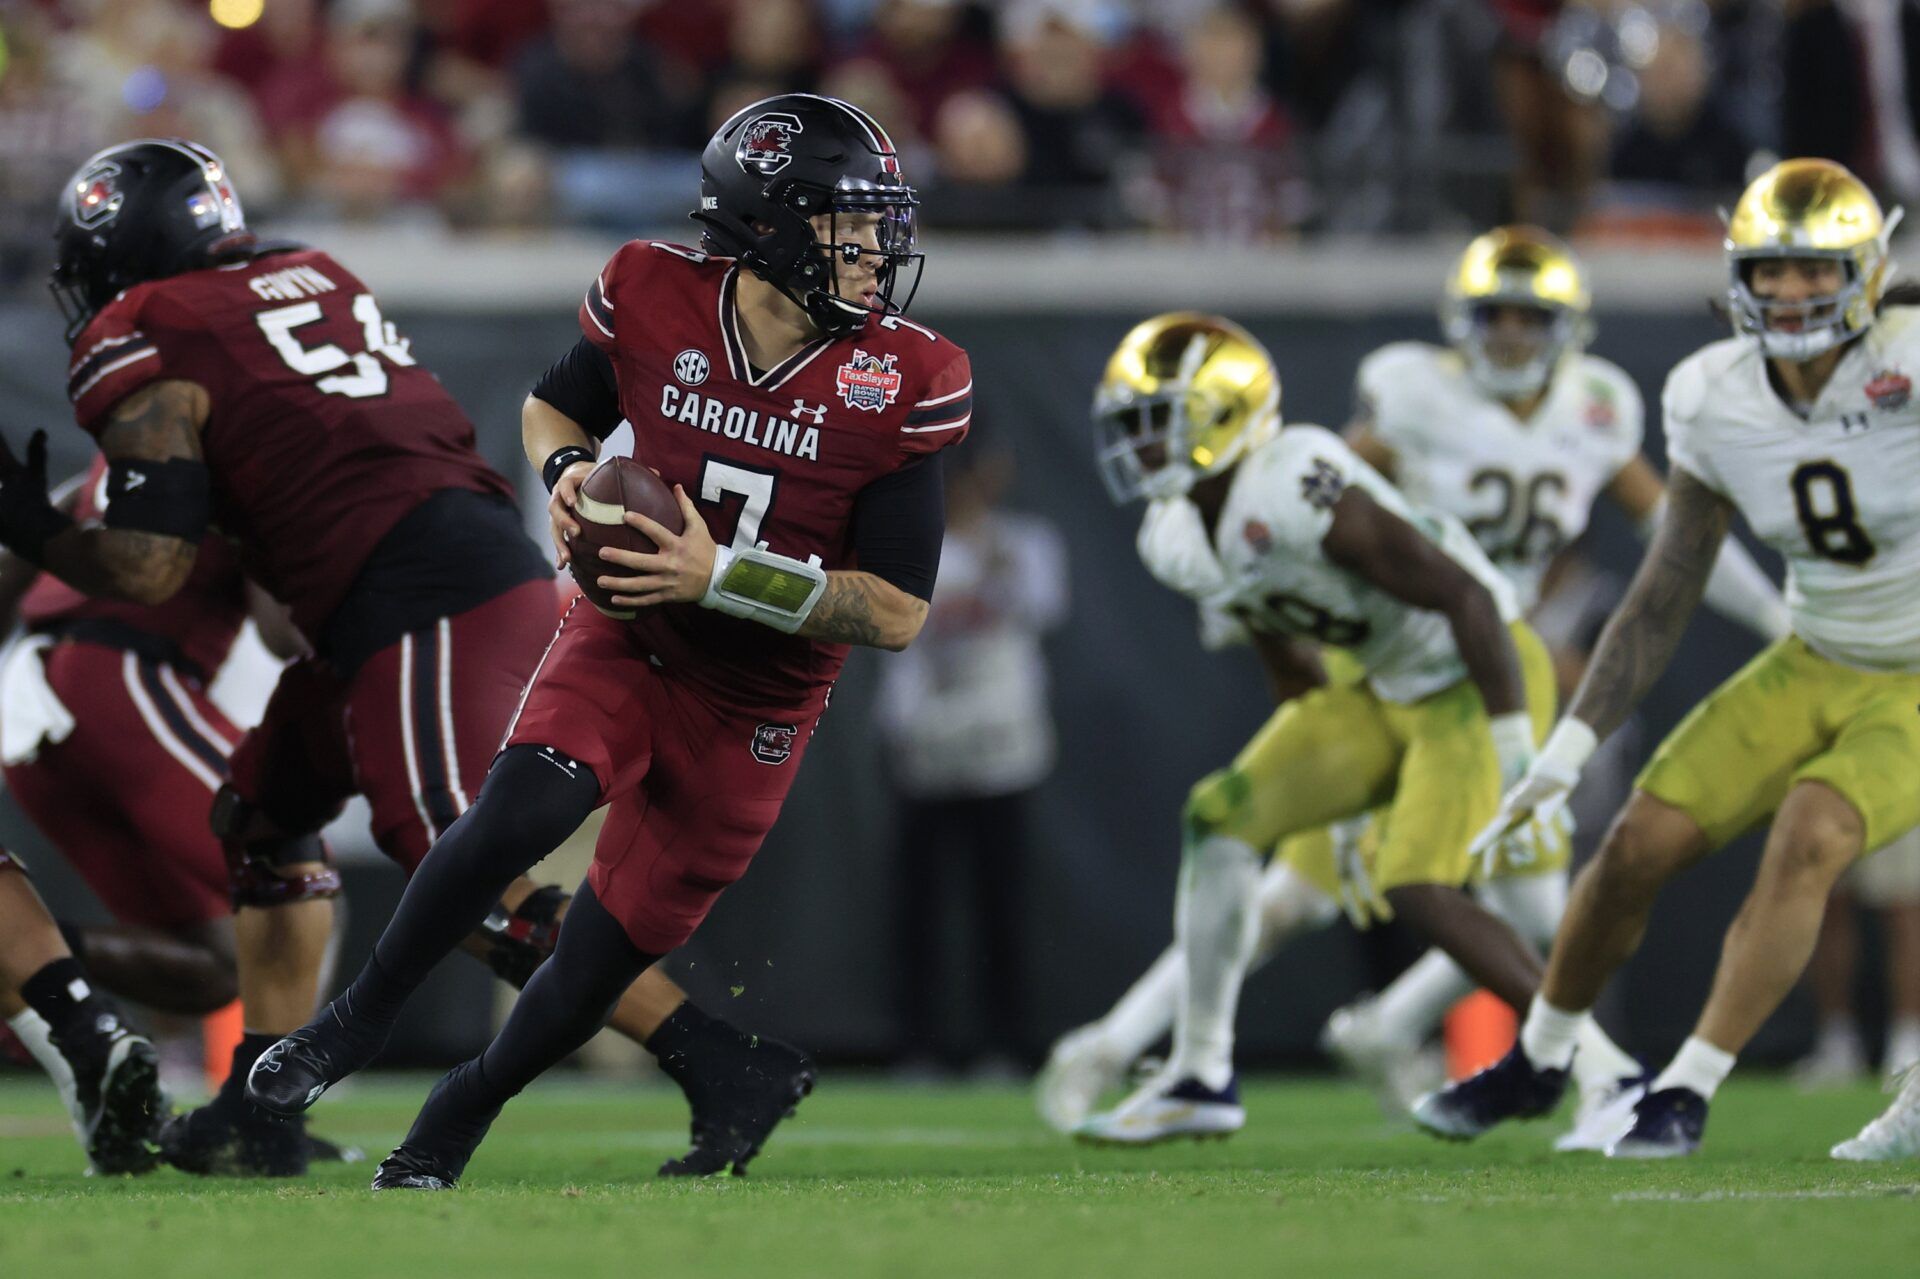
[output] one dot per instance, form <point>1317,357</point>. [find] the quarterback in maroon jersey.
<point>773,382</point>
<point>257,388</point>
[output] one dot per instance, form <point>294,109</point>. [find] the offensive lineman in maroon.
<point>257,388</point>
<point>771,380</point>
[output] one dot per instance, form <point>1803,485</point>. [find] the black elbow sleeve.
<point>582,385</point>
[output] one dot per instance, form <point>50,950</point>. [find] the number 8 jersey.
<point>324,432</point>
<point>1836,491</point>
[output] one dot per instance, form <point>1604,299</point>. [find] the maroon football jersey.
<point>202,619</point>
<point>324,431</point>
<point>771,457</point>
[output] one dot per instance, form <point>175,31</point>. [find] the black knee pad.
<point>257,849</point>
<point>520,941</point>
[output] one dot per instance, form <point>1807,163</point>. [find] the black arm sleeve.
<point>581,385</point>
<point>898,522</point>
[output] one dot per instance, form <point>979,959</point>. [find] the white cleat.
<point>1837,1061</point>
<point>1398,1072</point>
<point>1895,1134</point>
<point>1604,1116</point>
<point>1166,1109</point>
<point>1081,1067</point>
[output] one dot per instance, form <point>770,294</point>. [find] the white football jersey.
<point>1523,489</point>
<point>1265,567</point>
<point>1836,492</point>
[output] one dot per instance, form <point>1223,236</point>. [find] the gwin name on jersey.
<point>781,435</point>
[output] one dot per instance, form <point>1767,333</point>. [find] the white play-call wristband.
<point>1567,748</point>
<point>775,590</point>
<point>1512,742</point>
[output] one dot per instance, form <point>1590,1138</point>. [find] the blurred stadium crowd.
<point>1217,119</point>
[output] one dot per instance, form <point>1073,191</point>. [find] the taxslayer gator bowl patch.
<point>868,381</point>
<point>1890,390</point>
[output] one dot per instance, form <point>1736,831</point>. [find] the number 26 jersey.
<point>324,429</point>
<point>1836,492</point>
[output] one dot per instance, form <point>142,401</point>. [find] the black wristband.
<point>559,460</point>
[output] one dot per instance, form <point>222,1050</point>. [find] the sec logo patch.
<point>691,367</point>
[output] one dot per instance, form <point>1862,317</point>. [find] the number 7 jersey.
<point>324,430</point>
<point>771,457</point>
<point>1836,492</point>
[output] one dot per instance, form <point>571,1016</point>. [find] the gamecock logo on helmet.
<point>766,144</point>
<point>97,197</point>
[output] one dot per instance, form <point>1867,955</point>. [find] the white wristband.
<point>756,584</point>
<point>1567,748</point>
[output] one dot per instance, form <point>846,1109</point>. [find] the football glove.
<point>1545,787</point>
<point>28,517</point>
<point>1356,893</point>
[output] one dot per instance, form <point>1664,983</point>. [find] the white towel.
<point>31,715</point>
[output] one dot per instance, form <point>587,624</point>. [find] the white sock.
<point>1903,1044</point>
<point>1698,1066</point>
<point>1215,919</point>
<point>1145,1012</point>
<point>33,1032</point>
<point>1288,904</point>
<point>1413,1004</point>
<point>1549,1035</point>
<point>1838,1033</point>
<point>1598,1061</point>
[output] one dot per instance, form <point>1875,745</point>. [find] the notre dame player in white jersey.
<point>1302,543</point>
<point>1515,430</point>
<point>1805,423</point>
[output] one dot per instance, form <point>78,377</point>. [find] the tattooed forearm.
<point>1640,637</point>
<point>159,422</point>
<point>859,608</point>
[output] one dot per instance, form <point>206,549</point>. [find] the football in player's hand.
<point>617,485</point>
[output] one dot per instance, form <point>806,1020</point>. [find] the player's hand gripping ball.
<point>617,486</point>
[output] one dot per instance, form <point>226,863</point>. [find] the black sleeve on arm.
<point>581,385</point>
<point>898,522</point>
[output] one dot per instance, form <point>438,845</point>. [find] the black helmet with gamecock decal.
<point>780,163</point>
<point>142,210</point>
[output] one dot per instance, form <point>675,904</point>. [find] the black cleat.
<point>739,1095</point>
<point>409,1169</point>
<point>1666,1124</point>
<point>228,1137</point>
<point>1511,1088</point>
<point>291,1074</point>
<point>119,1102</point>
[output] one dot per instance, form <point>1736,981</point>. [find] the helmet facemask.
<point>1469,324</point>
<point>897,260</point>
<point>1826,321</point>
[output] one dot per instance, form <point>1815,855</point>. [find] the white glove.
<point>1543,791</point>
<point>1512,745</point>
<point>1356,884</point>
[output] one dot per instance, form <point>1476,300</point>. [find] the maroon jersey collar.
<point>737,363</point>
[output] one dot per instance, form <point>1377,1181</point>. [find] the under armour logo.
<point>818,412</point>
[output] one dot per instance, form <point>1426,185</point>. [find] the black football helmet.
<point>139,211</point>
<point>785,160</point>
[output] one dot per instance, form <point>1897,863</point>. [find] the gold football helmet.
<point>1185,396</point>
<point>1517,266</point>
<point>1809,209</point>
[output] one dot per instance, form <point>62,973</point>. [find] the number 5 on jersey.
<point>369,376</point>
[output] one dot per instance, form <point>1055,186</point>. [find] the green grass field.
<point>880,1180</point>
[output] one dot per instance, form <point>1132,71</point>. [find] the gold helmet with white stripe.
<point>1808,209</point>
<point>1528,269</point>
<point>1185,395</point>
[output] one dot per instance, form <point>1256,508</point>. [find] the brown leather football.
<point>617,485</point>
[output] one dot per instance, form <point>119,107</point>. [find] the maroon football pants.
<point>413,729</point>
<point>692,784</point>
<point>125,795</point>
